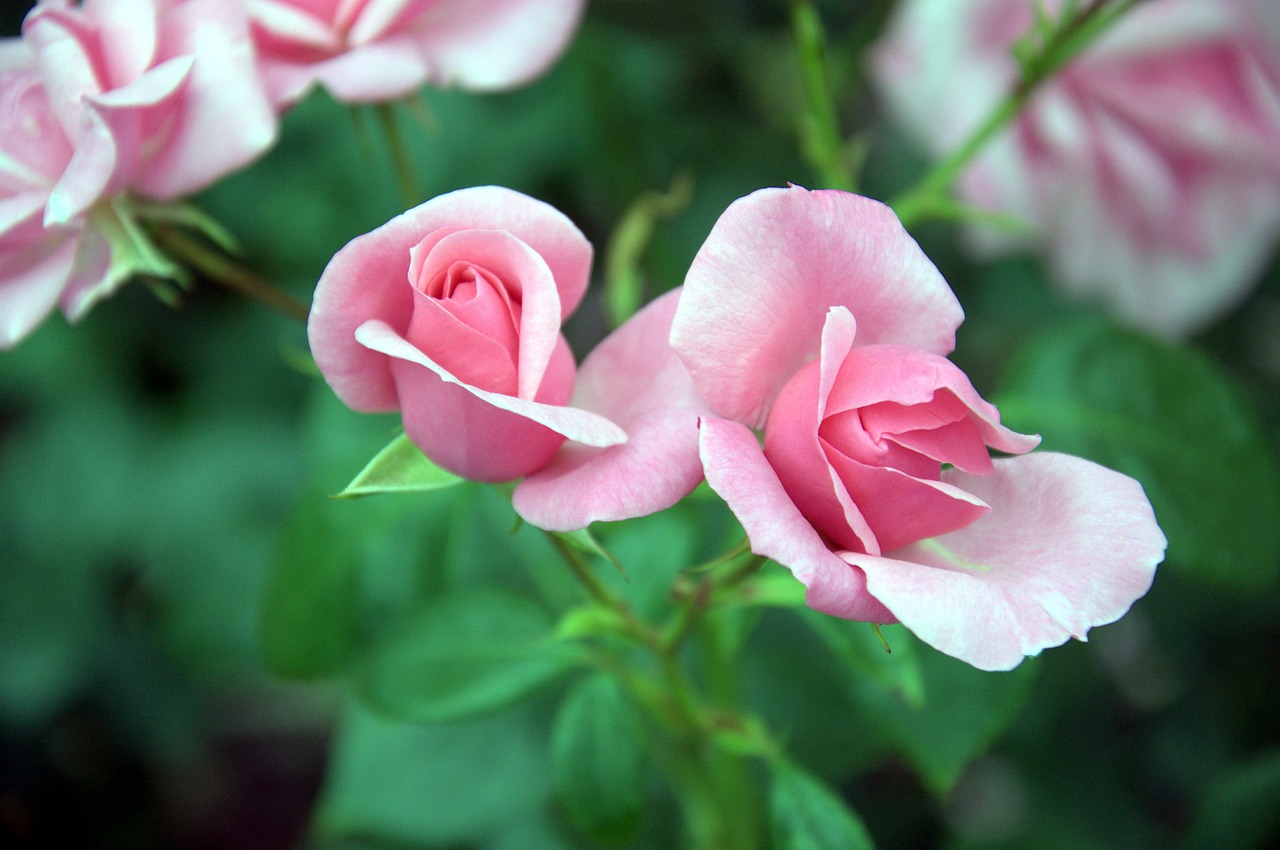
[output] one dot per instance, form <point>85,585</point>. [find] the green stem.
<point>226,272</point>
<point>400,161</point>
<point>822,143</point>
<point>928,197</point>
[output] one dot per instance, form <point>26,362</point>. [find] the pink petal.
<point>758,292</point>
<point>461,429</point>
<point>736,469</point>
<point>31,281</point>
<point>494,44</point>
<point>634,378</point>
<point>366,280</point>
<point>1067,546</point>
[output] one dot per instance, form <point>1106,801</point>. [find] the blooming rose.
<point>451,314</point>
<point>39,266</point>
<point>158,97</point>
<point>1150,164</point>
<point>370,51</point>
<point>815,315</point>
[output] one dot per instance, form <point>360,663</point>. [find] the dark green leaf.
<point>807,815</point>
<point>1170,418</point>
<point>465,654</point>
<point>862,655</point>
<point>1241,810</point>
<point>597,759</point>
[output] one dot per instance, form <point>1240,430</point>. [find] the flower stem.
<point>225,271</point>
<point>928,197</point>
<point>400,161</point>
<point>821,141</point>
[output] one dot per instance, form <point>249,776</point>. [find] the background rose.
<point>367,51</point>
<point>1149,164</point>
<point>451,313</point>
<point>158,97</point>
<point>988,561</point>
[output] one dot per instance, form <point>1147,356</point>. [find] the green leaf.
<point>309,614</point>
<point>807,815</point>
<point>963,711</point>
<point>399,468</point>
<point>598,763</point>
<point>1241,810</point>
<point>463,655</point>
<point>584,541</point>
<point>425,785</point>
<point>1171,419</point>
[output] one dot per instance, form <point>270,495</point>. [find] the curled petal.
<point>1067,546</point>
<point>737,469</point>
<point>758,291</point>
<point>634,378</point>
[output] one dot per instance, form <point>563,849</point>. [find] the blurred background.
<point>173,674</point>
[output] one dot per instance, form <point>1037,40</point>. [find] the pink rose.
<point>371,51</point>
<point>1150,165</point>
<point>815,315</point>
<point>158,97</point>
<point>451,314</point>
<point>40,266</point>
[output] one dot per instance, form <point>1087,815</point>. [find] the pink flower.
<point>815,315</point>
<point>364,50</point>
<point>1150,165</point>
<point>451,314</point>
<point>71,263</point>
<point>158,97</point>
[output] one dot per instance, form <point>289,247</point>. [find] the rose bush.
<point>815,316</point>
<point>451,312</point>
<point>1148,165</point>
<point>367,51</point>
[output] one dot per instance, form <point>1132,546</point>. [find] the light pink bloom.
<point>815,315</point>
<point>1150,165</point>
<point>373,50</point>
<point>451,314</point>
<point>158,97</point>
<point>40,267</point>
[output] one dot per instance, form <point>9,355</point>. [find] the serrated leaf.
<point>1170,418</point>
<point>584,541</point>
<point>400,467</point>
<point>598,763</point>
<point>807,815</point>
<point>465,655</point>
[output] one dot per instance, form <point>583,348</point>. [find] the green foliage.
<point>1169,417</point>
<point>598,761</point>
<point>1241,810</point>
<point>462,655</point>
<point>807,815</point>
<point>401,467</point>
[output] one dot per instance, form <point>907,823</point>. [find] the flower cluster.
<point>109,106</point>
<point>1149,165</point>
<point>812,315</point>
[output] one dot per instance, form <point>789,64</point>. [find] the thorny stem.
<point>227,272</point>
<point>928,196</point>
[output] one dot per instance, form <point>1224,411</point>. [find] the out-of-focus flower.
<point>1150,164</point>
<point>451,312</point>
<point>815,315</point>
<point>364,50</point>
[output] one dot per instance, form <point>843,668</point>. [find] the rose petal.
<point>366,280</point>
<point>579,425</point>
<point>736,469</point>
<point>634,378</point>
<point>758,291</point>
<point>31,280</point>
<point>1067,546</point>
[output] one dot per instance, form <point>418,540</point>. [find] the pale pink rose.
<point>1150,165</point>
<point>451,312</point>
<point>40,267</point>
<point>158,97</point>
<point>815,315</point>
<point>374,50</point>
